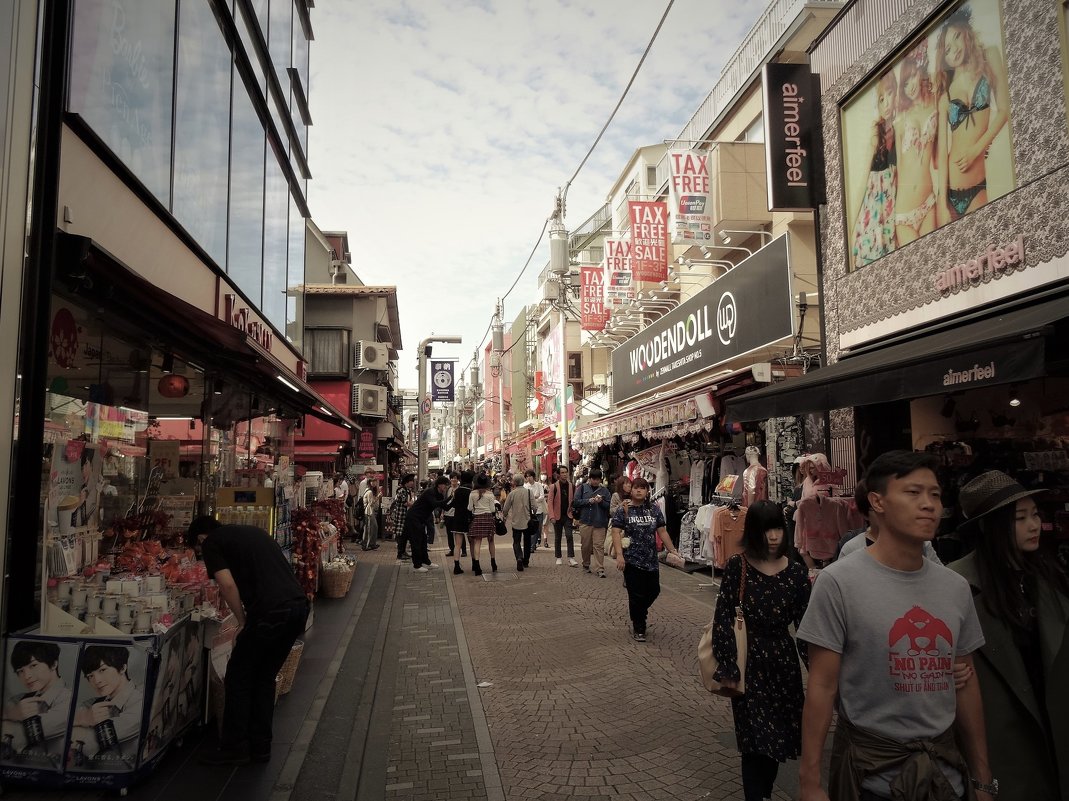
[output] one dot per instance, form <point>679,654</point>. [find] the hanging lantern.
<point>173,386</point>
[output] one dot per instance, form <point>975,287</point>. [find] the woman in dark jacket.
<point>1022,601</point>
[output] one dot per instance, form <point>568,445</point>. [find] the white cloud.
<point>443,129</point>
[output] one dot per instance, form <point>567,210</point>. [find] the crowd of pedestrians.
<point>945,682</point>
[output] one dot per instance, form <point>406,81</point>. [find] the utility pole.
<point>560,267</point>
<point>424,400</point>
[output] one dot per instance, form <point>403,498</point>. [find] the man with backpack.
<point>591,508</point>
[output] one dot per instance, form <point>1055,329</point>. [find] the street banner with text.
<point>619,282</point>
<point>593,314</point>
<point>689,201</point>
<point>649,240</point>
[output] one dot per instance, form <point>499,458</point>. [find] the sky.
<point>442,130</point>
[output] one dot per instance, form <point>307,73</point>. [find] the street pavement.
<point>435,687</point>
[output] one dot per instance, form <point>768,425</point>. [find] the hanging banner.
<point>792,137</point>
<point>442,381</point>
<point>619,285</point>
<point>593,314</point>
<point>649,240</point>
<point>552,353</point>
<point>689,199</point>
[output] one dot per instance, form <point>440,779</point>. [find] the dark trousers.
<point>457,538</point>
<point>416,534</point>
<point>521,544</point>
<point>430,530</point>
<point>563,526</point>
<point>643,587</point>
<point>402,540</point>
<point>259,651</point>
<point>758,776</point>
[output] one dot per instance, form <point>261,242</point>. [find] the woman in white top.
<point>483,506</point>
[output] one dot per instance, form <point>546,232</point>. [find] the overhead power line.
<point>564,195</point>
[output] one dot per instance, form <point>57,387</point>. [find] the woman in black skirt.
<point>768,716</point>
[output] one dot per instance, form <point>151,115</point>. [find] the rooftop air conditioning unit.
<point>369,400</point>
<point>370,356</point>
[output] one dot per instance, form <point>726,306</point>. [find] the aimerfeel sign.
<point>748,308</point>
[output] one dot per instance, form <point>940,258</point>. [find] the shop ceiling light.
<point>217,386</point>
<point>287,383</point>
<point>1015,399</point>
<point>167,365</point>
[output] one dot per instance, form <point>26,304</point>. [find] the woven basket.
<point>335,582</point>
<point>289,669</point>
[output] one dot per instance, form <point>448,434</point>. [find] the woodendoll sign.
<point>748,308</point>
<point>792,137</point>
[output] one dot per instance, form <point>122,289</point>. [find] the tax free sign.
<point>750,307</point>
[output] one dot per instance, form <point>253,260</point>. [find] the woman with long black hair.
<point>775,594</point>
<point>1022,601</point>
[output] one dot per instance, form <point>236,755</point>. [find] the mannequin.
<point>754,478</point>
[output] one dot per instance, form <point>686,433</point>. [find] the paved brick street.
<point>388,705</point>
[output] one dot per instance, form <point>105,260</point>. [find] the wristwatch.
<point>990,789</point>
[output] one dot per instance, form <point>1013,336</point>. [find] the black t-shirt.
<point>264,577</point>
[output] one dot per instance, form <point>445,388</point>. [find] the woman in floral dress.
<point>874,230</point>
<point>768,716</point>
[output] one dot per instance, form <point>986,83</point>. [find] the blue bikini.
<point>959,113</point>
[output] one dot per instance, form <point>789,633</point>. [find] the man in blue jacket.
<point>592,510</point>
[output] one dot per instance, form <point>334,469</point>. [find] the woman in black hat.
<point>1022,601</point>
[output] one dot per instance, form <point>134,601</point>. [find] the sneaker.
<point>423,569</point>
<point>572,562</point>
<point>433,566</point>
<point>639,637</point>
<point>601,573</point>
<point>586,568</point>
<point>560,561</point>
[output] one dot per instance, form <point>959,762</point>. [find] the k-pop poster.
<point>929,139</point>
<point>40,675</point>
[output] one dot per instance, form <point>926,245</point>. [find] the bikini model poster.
<point>928,139</point>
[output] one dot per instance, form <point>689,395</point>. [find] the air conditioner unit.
<point>369,400</point>
<point>370,356</point>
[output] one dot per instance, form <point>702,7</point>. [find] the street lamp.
<point>424,401</point>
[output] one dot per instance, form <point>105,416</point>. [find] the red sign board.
<point>594,315</point>
<point>649,239</point>
<point>365,445</point>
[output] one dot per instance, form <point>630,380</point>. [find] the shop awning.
<point>93,273</point>
<point>999,349</point>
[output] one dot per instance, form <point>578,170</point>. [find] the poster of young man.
<point>929,139</point>
<point>109,707</point>
<point>37,709</point>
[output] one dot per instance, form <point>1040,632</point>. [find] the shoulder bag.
<point>499,522</point>
<point>707,663</point>
<point>534,520</point>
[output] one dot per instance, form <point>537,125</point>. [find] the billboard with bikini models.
<point>928,139</point>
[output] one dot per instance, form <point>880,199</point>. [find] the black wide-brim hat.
<point>990,491</point>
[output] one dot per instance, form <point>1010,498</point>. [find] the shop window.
<point>327,350</point>
<point>279,37</point>
<point>651,177</point>
<point>577,390</point>
<point>202,122</point>
<point>246,218</point>
<point>295,277</point>
<point>121,82</point>
<point>276,242</point>
<point>575,366</point>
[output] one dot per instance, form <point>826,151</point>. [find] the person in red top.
<point>559,500</point>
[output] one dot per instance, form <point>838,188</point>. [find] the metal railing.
<point>590,226</point>
<point>750,55</point>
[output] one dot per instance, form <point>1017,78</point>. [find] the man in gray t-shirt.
<point>886,626</point>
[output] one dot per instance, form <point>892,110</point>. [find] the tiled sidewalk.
<point>421,686</point>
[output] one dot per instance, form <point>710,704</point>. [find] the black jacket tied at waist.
<point>858,753</point>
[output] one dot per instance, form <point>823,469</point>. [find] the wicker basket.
<point>289,669</point>
<point>335,582</point>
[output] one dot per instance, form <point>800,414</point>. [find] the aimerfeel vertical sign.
<point>793,144</point>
